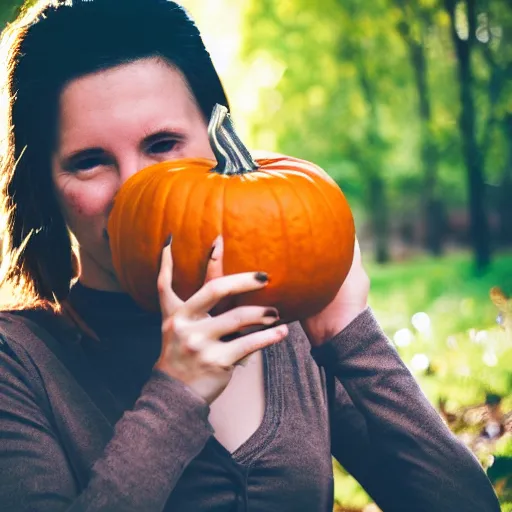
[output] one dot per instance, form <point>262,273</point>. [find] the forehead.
<point>136,93</point>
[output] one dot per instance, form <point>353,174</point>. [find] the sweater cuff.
<point>176,396</point>
<point>357,336</point>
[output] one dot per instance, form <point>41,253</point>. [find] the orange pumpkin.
<point>280,215</point>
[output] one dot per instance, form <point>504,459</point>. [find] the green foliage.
<point>10,8</point>
<point>7,11</point>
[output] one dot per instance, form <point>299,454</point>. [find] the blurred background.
<point>407,104</point>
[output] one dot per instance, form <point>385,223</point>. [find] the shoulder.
<point>19,375</point>
<point>16,324</point>
<point>25,335</point>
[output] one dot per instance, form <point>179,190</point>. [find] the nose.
<point>131,165</point>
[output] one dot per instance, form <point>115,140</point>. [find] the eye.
<point>162,142</point>
<point>162,146</point>
<point>86,161</point>
<point>89,163</point>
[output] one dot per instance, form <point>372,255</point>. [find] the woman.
<point>106,407</point>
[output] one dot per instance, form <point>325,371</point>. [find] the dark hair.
<point>49,45</point>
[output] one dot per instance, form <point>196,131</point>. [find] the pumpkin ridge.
<point>222,222</point>
<point>282,217</point>
<point>325,197</point>
<point>153,183</point>
<point>129,279</point>
<point>340,228</point>
<point>186,204</point>
<point>209,191</point>
<point>304,205</point>
<point>163,217</point>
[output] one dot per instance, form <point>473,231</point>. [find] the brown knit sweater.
<point>88,426</point>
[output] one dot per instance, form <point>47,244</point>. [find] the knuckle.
<point>214,360</point>
<point>216,288</point>
<point>168,324</point>
<point>179,325</point>
<point>207,359</point>
<point>193,342</point>
<point>162,284</point>
<point>238,320</point>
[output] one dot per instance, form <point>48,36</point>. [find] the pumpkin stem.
<point>231,154</point>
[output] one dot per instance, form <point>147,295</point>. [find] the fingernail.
<point>262,277</point>
<point>271,312</point>
<point>168,241</point>
<point>216,246</point>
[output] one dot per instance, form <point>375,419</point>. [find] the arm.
<point>413,460</point>
<point>151,446</point>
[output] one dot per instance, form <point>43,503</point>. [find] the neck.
<point>95,275</point>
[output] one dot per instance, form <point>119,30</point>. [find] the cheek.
<point>83,201</point>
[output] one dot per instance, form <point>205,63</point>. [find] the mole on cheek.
<point>75,203</point>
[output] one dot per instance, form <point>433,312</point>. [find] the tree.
<point>414,38</point>
<point>464,44</point>
<point>494,35</point>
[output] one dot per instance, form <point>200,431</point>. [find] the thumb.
<point>215,269</point>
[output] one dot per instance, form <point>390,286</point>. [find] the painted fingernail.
<point>261,277</point>
<point>214,252</point>
<point>282,330</point>
<point>271,313</point>
<point>168,241</point>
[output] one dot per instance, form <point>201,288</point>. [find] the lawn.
<point>443,323</point>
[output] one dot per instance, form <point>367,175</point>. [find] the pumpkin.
<point>280,215</point>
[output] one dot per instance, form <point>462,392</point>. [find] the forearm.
<point>151,447</point>
<point>414,451</point>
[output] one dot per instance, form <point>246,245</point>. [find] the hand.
<point>350,301</point>
<point>192,350</point>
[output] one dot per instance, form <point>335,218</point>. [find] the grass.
<point>441,319</point>
<point>468,354</point>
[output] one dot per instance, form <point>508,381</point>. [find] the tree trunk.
<point>479,228</point>
<point>434,229</point>
<point>505,193</point>
<point>379,216</point>
<point>376,188</point>
<point>429,157</point>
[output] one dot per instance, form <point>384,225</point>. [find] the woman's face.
<point>112,124</point>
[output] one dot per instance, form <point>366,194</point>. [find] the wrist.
<point>320,330</point>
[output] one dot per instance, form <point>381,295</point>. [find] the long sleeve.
<point>410,460</point>
<point>151,446</point>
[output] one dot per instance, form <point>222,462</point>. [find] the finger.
<point>241,348</point>
<point>214,267</point>
<point>169,301</point>
<point>239,318</point>
<point>214,291</point>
